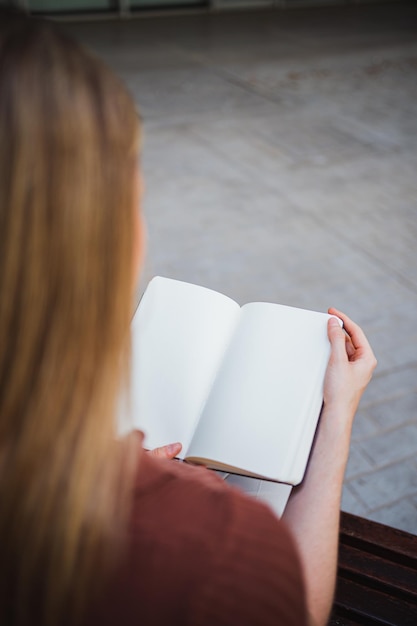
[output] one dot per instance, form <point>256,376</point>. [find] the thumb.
<point>167,452</point>
<point>337,339</point>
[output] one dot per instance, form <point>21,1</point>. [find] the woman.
<point>92,530</point>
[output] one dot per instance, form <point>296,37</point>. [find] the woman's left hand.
<point>167,452</point>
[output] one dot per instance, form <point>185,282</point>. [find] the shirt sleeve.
<point>200,553</point>
<point>255,575</point>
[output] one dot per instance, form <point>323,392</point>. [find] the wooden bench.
<point>377,575</point>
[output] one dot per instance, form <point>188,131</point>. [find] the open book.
<point>241,388</point>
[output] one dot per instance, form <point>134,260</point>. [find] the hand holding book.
<point>350,367</point>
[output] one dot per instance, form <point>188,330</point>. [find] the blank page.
<point>180,332</point>
<point>263,404</point>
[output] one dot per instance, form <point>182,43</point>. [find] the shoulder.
<point>228,554</point>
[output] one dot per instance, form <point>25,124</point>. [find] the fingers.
<point>350,349</point>
<point>357,345</point>
<point>353,330</point>
<point>167,452</point>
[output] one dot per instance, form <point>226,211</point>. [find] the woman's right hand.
<point>350,367</point>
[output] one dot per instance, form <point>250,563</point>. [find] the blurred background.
<point>280,161</point>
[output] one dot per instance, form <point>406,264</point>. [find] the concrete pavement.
<point>281,164</point>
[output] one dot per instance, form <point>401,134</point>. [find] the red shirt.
<point>202,554</point>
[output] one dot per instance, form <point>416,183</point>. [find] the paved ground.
<point>281,164</point>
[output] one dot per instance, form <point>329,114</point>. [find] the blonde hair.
<point>68,144</point>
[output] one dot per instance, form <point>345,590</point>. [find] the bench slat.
<point>379,539</point>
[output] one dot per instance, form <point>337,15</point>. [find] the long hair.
<point>68,149</point>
